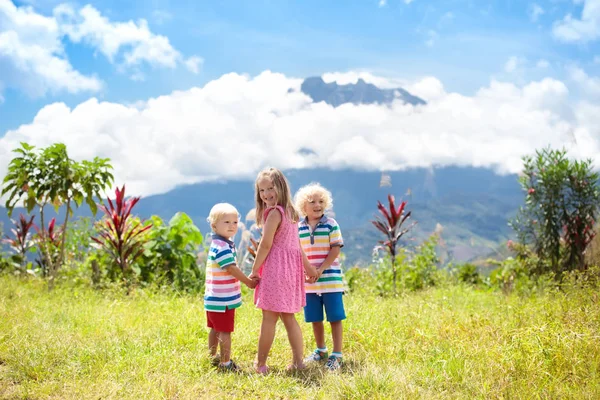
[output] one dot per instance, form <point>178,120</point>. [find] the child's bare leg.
<point>267,334</point>
<point>319,332</point>
<point>225,346</point>
<point>337,333</point>
<point>212,342</point>
<point>294,336</point>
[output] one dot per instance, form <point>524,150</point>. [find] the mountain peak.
<point>360,92</point>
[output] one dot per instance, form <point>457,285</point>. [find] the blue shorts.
<point>332,302</point>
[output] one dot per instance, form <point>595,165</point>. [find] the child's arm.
<point>308,267</point>
<point>240,276</point>
<point>266,242</point>
<point>334,252</point>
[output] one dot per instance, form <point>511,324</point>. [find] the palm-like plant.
<point>49,239</point>
<point>21,243</point>
<point>119,233</point>
<point>390,223</point>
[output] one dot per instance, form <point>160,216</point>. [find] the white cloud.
<point>193,64</point>
<point>172,139</point>
<point>535,10</point>
<point>382,3</point>
<point>428,88</point>
<point>161,16</point>
<point>110,38</point>
<point>408,1</point>
<point>32,57</point>
<point>582,30</point>
<point>513,63</point>
<point>542,64</point>
<point>589,85</point>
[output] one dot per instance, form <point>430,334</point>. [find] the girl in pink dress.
<point>280,266</point>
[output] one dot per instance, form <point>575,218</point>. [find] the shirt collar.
<point>219,237</point>
<point>321,221</point>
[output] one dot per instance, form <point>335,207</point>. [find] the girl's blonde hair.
<point>284,195</point>
<point>219,210</point>
<point>306,193</point>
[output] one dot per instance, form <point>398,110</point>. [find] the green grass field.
<point>456,342</point>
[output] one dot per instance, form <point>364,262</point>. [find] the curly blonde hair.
<point>306,193</point>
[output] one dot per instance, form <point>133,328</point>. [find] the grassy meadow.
<point>443,343</point>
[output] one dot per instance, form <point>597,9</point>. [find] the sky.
<point>178,92</point>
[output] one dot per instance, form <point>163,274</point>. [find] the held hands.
<point>254,279</point>
<point>313,279</point>
<point>252,283</point>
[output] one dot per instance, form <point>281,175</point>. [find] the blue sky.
<point>126,53</point>
<point>462,42</point>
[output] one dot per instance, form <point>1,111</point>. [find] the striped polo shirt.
<point>221,289</point>
<point>316,244</point>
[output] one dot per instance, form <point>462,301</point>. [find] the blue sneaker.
<point>316,356</point>
<point>334,363</point>
<point>230,367</point>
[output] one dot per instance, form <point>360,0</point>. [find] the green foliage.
<point>120,235</point>
<point>417,270</point>
<point>468,273</point>
<point>421,271</point>
<point>41,177</point>
<point>560,209</point>
<point>508,274</point>
<point>360,280</point>
<point>171,252</point>
<point>79,241</point>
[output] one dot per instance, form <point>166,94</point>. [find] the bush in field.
<point>557,221</point>
<point>417,270</point>
<point>467,273</point>
<point>20,244</point>
<point>120,235</point>
<point>171,252</point>
<point>422,269</point>
<point>51,237</point>
<point>390,223</point>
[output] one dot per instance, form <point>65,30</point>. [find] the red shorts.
<point>221,321</point>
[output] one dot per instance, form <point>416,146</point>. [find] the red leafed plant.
<point>21,243</point>
<point>119,232</point>
<point>390,223</point>
<point>49,244</point>
<point>578,233</point>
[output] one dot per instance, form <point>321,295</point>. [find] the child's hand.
<point>254,276</point>
<point>252,283</point>
<point>311,271</point>
<point>313,279</point>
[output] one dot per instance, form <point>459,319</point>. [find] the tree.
<point>560,209</point>
<point>391,226</point>
<point>41,177</point>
